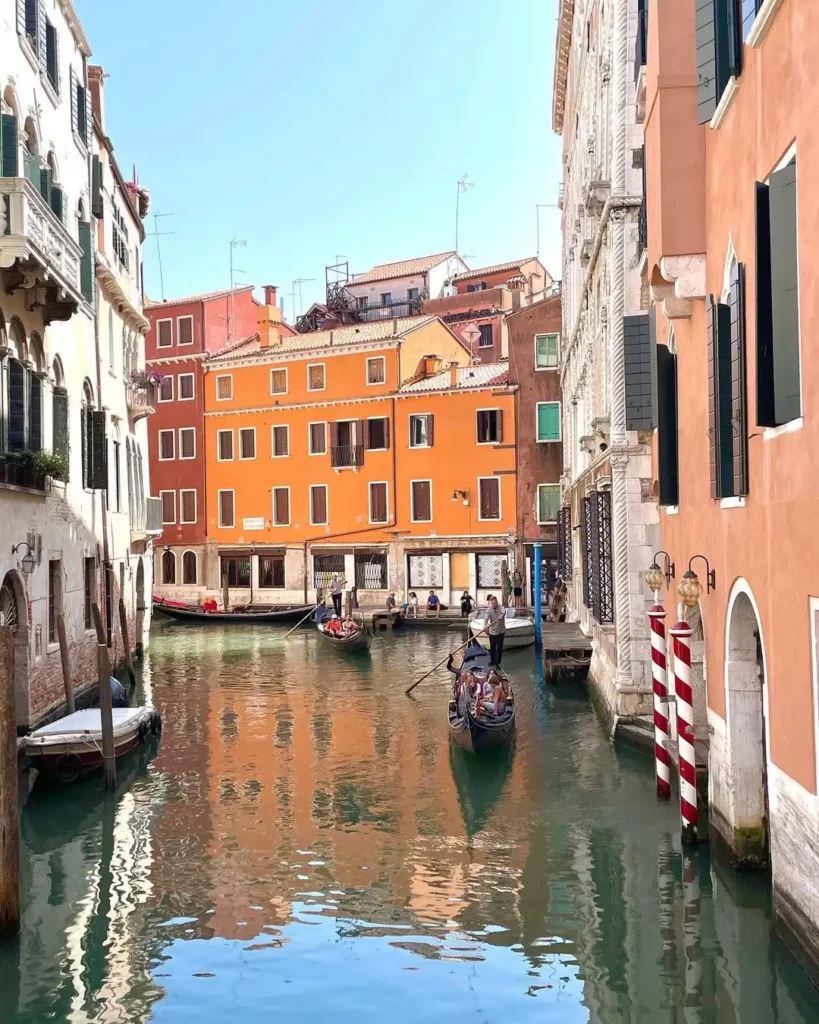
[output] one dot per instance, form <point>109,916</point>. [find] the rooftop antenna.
<point>157,234</point>
<point>297,283</point>
<point>234,244</point>
<point>290,295</point>
<point>538,208</point>
<point>464,184</point>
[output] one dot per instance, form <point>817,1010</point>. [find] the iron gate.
<point>324,566</point>
<point>426,571</point>
<point>371,571</point>
<point>564,543</point>
<point>598,588</point>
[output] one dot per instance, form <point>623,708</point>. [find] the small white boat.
<point>72,746</point>
<point>520,627</point>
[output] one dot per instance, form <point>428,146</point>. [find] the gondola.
<point>487,732</point>
<point>187,613</point>
<point>359,641</point>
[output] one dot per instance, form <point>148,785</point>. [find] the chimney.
<point>269,319</point>
<point>453,375</point>
<point>96,84</point>
<point>271,292</point>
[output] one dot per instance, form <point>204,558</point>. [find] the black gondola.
<point>359,641</point>
<point>287,613</point>
<point>487,731</point>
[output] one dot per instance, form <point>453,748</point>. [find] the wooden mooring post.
<point>126,643</point>
<point>106,717</point>
<point>65,659</point>
<point>9,812</point>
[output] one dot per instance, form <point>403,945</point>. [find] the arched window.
<point>87,427</point>
<point>59,413</point>
<point>189,567</point>
<point>32,165</point>
<point>140,490</point>
<point>52,190</point>
<point>35,393</point>
<point>168,567</point>
<point>17,388</point>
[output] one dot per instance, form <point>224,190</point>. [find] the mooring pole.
<point>123,628</point>
<point>681,634</point>
<point>662,759</point>
<point>9,813</point>
<point>538,598</point>
<point>65,659</point>
<point>106,716</point>
<point>225,593</point>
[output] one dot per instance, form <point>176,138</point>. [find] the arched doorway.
<point>14,615</point>
<point>747,737</point>
<point>140,607</point>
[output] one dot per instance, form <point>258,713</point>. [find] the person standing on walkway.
<point>517,588</point>
<point>495,625</point>
<point>336,590</point>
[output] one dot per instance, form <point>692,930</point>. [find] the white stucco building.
<point>605,358</point>
<point>70,310</point>
<point>405,283</point>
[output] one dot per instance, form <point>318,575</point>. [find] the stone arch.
<point>36,353</point>
<point>88,393</point>
<point>58,372</point>
<point>17,340</point>
<point>190,568</point>
<point>31,137</point>
<point>10,104</point>
<point>53,166</point>
<point>14,614</point>
<point>746,722</point>
<point>168,568</point>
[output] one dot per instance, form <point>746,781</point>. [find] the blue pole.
<point>538,602</point>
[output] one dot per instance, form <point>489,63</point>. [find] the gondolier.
<point>336,590</point>
<point>495,625</point>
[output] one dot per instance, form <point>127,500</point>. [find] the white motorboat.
<point>520,627</point>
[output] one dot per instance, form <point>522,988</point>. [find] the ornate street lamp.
<point>28,561</point>
<point>690,589</point>
<point>656,575</point>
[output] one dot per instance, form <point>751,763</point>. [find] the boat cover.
<point>83,725</point>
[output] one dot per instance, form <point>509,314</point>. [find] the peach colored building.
<point>729,95</point>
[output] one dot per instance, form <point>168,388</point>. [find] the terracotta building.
<point>534,369</point>
<point>730,98</point>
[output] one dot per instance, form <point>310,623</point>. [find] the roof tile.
<point>204,297</point>
<point>479,376</point>
<point>404,268</point>
<point>496,269</point>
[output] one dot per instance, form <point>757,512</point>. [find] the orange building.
<point>348,451</point>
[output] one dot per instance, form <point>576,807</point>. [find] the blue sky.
<point>320,129</point>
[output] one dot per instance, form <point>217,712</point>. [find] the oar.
<point>307,616</point>
<point>434,667</point>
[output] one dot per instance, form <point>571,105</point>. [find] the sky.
<point>318,130</point>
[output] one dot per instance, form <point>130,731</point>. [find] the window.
<point>280,441</point>
<point>315,377</point>
<point>237,570</point>
<point>412,294</point>
<point>485,340</point>
<point>184,330</point>
<point>386,298</point>
<point>548,502</point>
<point>166,389</point>
<point>187,443</point>
<point>778,360</point>
<point>189,567</point>
<point>55,580</point>
<point>376,370</point>
<point>750,9</point>
<point>271,572</point>
<point>224,445</point>
<point>639,331</point>
<point>186,387</point>
<point>548,421</point>
<point>278,382</point>
<point>421,497</point>
<point>59,420</point>
<point>281,506</point>
<point>168,499</point>
<point>117,479</point>
<point>377,433</point>
<point>318,505</point>
<point>362,301</point>
<point>52,62</point>
<point>490,426</point>
<point>379,512</point>
<point>224,387</point>
<point>166,445</point>
<point>547,351</point>
<point>318,438</point>
<point>187,506</point>
<point>227,512</point>
<point>489,497</point>
<point>120,236</point>
<point>169,567</point>
<point>80,118</point>
<point>420,431</point>
<point>667,453</point>
<point>164,333</point>
<point>719,51</point>
<point>247,443</point>
<point>89,567</point>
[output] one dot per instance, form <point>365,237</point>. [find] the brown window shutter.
<point>386,432</point>
<point>499,414</point>
<point>334,435</point>
<point>713,429</point>
<point>421,500</point>
<point>378,501</point>
<point>226,508</point>
<point>362,433</point>
<point>431,430</point>
<point>318,497</point>
<point>281,501</point>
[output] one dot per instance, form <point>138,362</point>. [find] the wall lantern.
<point>28,561</point>
<point>656,575</point>
<point>464,495</point>
<point>690,588</point>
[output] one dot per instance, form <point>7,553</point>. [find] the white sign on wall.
<point>253,524</point>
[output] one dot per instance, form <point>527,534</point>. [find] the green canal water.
<point>305,846</point>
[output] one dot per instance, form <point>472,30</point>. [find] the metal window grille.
<point>371,571</point>
<point>323,568</point>
<point>598,583</point>
<point>490,571</point>
<point>426,571</point>
<point>564,543</point>
<point>586,544</point>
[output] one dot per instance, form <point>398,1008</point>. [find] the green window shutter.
<point>41,33</point>
<point>8,146</point>
<point>548,421</point>
<point>87,261</point>
<point>35,413</point>
<point>96,188</point>
<point>733,31</point>
<point>58,202</point>
<point>739,402</point>
<point>713,53</point>
<point>72,89</point>
<point>59,417</point>
<point>785,295</point>
<point>765,416</point>
<point>17,405</point>
<point>99,451</point>
<point>548,502</point>
<point>45,184</point>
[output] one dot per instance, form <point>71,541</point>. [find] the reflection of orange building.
<point>375,450</point>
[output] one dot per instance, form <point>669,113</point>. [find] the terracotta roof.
<point>480,376</point>
<point>496,269</point>
<point>351,335</point>
<point>204,297</point>
<point>563,45</point>
<point>404,268</point>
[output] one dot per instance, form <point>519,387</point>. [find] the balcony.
<point>140,398</point>
<point>18,470</point>
<point>388,310</point>
<point>153,516</point>
<point>37,245</point>
<point>347,456</point>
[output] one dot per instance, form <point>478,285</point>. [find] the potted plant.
<point>146,378</point>
<point>53,464</point>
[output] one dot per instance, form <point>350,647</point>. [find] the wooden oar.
<point>434,667</point>
<point>307,616</point>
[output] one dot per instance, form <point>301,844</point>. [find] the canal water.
<point>304,845</point>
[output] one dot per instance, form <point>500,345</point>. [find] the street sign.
<point>253,524</point>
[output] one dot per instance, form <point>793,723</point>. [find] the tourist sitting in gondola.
<point>333,626</point>
<point>494,696</point>
<point>349,626</point>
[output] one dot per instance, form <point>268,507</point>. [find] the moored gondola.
<point>487,731</point>
<point>187,613</point>
<point>358,641</point>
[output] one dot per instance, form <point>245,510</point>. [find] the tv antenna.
<point>157,234</point>
<point>464,184</point>
<point>297,283</point>
<point>235,243</point>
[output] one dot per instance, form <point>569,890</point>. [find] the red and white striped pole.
<point>662,761</point>
<point>681,634</point>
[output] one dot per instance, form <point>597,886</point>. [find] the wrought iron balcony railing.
<point>140,399</point>
<point>20,470</point>
<point>347,456</point>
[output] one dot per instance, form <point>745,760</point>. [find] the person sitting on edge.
<point>433,605</point>
<point>391,601</point>
<point>466,603</point>
<point>413,604</point>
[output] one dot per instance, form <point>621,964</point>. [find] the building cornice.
<point>563,47</point>
<point>186,358</point>
<point>115,293</point>
<point>74,23</point>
